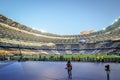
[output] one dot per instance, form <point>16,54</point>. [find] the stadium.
<point>20,42</point>
<point>59,40</point>
<point>30,54</point>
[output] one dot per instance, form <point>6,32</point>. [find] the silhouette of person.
<point>69,69</point>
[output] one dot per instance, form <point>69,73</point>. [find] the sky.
<point>62,16</point>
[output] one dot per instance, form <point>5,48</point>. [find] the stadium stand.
<point>16,38</point>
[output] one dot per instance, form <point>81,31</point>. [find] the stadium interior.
<point>16,39</point>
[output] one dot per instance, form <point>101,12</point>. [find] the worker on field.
<point>69,69</point>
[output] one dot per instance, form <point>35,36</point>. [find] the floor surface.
<point>37,70</point>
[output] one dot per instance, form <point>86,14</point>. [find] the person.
<point>69,69</point>
<point>78,59</point>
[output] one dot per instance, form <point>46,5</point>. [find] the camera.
<point>107,67</point>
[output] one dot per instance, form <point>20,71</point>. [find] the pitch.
<point>37,70</point>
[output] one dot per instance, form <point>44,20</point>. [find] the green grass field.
<point>73,56</point>
<point>55,57</point>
